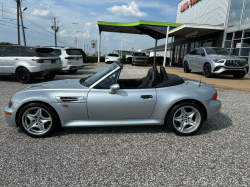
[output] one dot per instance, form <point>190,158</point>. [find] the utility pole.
<point>77,38</point>
<point>76,42</point>
<point>56,29</point>
<point>21,15</point>
<point>18,24</point>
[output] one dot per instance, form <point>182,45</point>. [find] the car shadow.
<point>219,122</point>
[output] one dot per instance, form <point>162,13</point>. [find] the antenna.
<point>200,82</point>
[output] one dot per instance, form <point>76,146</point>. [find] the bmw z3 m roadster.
<point>105,100</point>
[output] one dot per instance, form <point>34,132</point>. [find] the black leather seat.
<point>150,80</point>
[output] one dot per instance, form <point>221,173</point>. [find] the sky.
<point>39,16</point>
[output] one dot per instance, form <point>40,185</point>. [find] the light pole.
<point>77,39</point>
<point>73,33</point>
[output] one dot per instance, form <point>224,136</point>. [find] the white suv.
<point>112,57</point>
<point>26,63</point>
<point>71,58</point>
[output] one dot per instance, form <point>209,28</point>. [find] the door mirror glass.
<point>203,54</point>
<point>114,88</point>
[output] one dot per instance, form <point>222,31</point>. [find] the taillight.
<point>69,58</point>
<point>38,60</point>
<point>215,96</point>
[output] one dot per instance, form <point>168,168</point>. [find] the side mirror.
<point>203,54</point>
<point>114,88</point>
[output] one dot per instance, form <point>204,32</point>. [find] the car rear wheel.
<point>50,77</point>
<point>207,71</point>
<point>238,76</point>
<point>37,120</point>
<point>186,68</point>
<point>73,71</point>
<point>185,119</point>
<point>23,75</point>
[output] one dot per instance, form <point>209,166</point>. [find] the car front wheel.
<point>37,120</point>
<point>239,76</point>
<point>185,119</point>
<point>186,68</point>
<point>207,71</point>
<point>23,75</point>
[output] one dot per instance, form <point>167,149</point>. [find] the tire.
<point>50,77</point>
<point>32,117</point>
<point>133,63</point>
<point>73,71</point>
<point>186,68</point>
<point>207,71</point>
<point>23,75</point>
<point>238,76</point>
<point>182,115</point>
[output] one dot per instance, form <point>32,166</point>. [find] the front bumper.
<point>46,72</point>
<point>10,119</point>
<point>143,62</point>
<point>231,71</point>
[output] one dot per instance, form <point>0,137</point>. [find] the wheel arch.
<point>21,67</point>
<point>206,64</point>
<point>29,102</point>
<point>187,100</point>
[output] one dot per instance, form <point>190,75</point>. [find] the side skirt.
<point>110,123</point>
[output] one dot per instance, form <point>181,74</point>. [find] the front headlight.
<point>219,61</point>
<point>11,103</point>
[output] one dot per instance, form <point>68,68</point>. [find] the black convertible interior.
<point>152,80</point>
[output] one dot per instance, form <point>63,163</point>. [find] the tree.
<point>6,43</point>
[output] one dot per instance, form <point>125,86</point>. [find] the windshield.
<point>217,51</point>
<point>140,54</point>
<point>91,80</point>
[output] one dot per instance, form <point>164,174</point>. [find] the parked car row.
<point>26,63</point>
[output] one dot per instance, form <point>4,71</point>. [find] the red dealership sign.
<point>187,4</point>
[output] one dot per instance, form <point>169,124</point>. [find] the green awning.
<point>150,28</point>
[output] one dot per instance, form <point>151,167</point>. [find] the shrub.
<point>93,59</point>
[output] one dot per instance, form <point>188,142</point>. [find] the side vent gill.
<point>68,99</point>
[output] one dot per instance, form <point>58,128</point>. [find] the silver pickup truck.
<point>139,58</point>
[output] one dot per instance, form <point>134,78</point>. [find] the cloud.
<point>93,13</point>
<point>132,10</point>
<point>86,34</point>
<point>40,12</point>
<point>63,33</point>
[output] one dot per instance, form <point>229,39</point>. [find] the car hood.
<point>61,84</point>
<point>227,57</point>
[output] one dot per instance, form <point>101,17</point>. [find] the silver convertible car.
<point>105,100</point>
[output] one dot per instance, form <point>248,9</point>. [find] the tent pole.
<point>166,46</point>
<point>99,46</point>
<point>155,48</point>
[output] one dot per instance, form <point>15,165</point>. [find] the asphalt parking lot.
<point>129,156</point>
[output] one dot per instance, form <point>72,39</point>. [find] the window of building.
<point>229,36</point>
<point>247,34</point>
<point>236,51</point>
<point>235,12</point>
<point>235,42</point>
<point>209,43</point>
<point>245,51</point>
<point>246,42</point>
<point>246,16</point>
<point>238,35</point>
<point>228,44</point>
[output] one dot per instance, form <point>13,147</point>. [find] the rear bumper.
<point>213,107</point>
<point>73,67</point>
<point>46,72</point>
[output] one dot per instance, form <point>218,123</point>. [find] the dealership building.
<point>211,23</point>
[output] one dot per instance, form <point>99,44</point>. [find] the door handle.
<point>146,96</point>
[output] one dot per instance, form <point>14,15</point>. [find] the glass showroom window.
<point>228,41</point>
<point>246,16</point>
<point>235,12</point>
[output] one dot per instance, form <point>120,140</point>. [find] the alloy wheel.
<point>37,120</point>
<point>186,119</point>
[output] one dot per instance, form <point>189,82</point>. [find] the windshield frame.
<point>216,51</point>
<point>105,76</point>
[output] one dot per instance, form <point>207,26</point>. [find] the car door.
<point>191,59</point>
<point>11,59</point>
<point>124,104</point>
<point>200,60</point>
